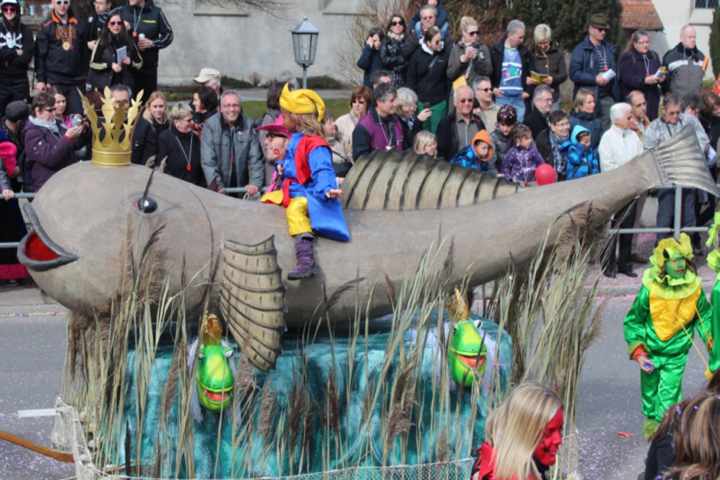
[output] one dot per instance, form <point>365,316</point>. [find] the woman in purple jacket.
<point>49,147</point>
<point>639,69</point>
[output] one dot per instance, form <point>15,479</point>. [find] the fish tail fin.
<point>681,161</point>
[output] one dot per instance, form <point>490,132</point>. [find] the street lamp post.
<point>304,40</point>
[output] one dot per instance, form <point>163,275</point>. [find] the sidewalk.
<point>622,285</point>
<point>27,301</point>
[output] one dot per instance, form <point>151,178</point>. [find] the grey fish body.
<point>96,219</point>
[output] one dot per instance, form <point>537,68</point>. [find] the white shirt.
<point>617,147</point>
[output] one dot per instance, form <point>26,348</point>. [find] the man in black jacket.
<point>16,50</point>
<point>96,23</point>
<point>542,102</point>
<point>61,54</point>
<point>151,31</point>
<point>457,130</point>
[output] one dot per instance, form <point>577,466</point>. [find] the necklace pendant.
<point>66,45</point>
<point>188,167</point>
<point>388,148</point>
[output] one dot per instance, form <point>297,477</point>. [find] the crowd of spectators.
<point>493,108</point>
<point>455,96</point>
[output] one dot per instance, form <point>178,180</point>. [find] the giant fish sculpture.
<point>88,219</point>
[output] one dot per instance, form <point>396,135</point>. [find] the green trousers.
<point>662,388</point>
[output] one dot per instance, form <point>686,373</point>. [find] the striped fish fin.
<point>252,300</point>
<point>406,181</point>
<point>681,161</point>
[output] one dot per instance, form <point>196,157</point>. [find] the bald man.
<point>457,130</point>
<point>685,64</point>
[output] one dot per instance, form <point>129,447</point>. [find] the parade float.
<point>191,355</point>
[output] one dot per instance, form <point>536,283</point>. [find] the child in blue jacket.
<point>582,158</point>
<point>479,155</point>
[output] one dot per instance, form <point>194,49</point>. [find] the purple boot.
<point>305,267</point>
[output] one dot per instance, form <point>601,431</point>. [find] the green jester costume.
<point>713,261</point>
<point>660,324</point>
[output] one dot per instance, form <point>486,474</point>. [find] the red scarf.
<point>305,145</point>
<point>485,464</point>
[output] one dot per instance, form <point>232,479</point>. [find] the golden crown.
<point>112,134</point>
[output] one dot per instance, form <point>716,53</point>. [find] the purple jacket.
<point>379,136</point>
<point>46,152</point>
<point>519,164</point>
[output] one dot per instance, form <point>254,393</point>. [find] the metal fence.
<point>68,435</point>
<point>675,229</point>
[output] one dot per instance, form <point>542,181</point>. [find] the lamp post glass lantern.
<point>305,40</point>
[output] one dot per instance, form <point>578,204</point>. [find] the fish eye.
<point>147,205</point>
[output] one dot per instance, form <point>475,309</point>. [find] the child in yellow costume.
<point>660,325</point>
<point>307,186</point>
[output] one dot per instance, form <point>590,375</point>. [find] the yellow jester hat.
<point>682,246</point>
<point>302,101</point>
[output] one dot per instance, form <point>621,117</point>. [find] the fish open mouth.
<point>473,362</point>
<point>37,251</point>
<point>218,397</point>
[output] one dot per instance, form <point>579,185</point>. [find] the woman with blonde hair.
<point>522,436</point>
<point>585,114</point>
<point>179,147</point>
<point>150,125</point>
<point>469,58</point>
<point>547,59</point>
<point>425,144</point>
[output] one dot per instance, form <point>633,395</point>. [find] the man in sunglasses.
<point>593,65</point>
<point>16,50</point>
<point>152,32</point>
<point>457,130</point>
<point>62,59</point>
<point>686,64</point>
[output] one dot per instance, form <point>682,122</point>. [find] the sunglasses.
<point>115,24</point>
<point>473,33</point>
<point>9,8</point>
<point>396,23</point>
<point>466,100</point>
<point>601,29</point>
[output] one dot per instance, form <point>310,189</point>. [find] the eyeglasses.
<point>115,24</point>
<point>473,33</point>
<point>395,23</point>
<point>466,100</point>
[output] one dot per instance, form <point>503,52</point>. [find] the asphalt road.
<point>32,345</point>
